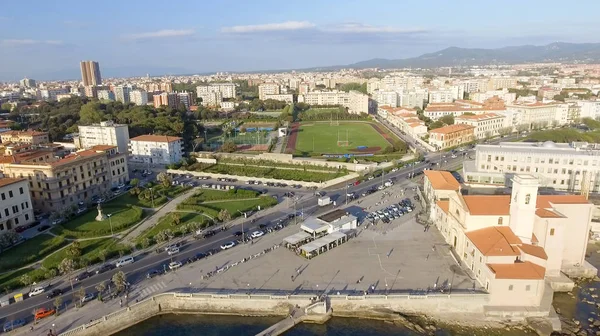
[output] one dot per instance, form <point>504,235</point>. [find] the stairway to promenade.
<point>318,312</point>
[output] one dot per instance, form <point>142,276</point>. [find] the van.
<point>124,261</point>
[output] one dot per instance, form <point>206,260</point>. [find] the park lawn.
<point>322,137</point>
<point>30,251</point>
<point>90,250</point>
<point>212,209</point>
<point>11,280</point>
<point>215,195</point>
<point>127,198</point>
<point>86,226</point>
<point>165,223</point>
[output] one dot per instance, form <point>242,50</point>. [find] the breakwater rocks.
<point>579,311</point>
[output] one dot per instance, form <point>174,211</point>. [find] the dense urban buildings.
<point>16,208</point>
<point>451,136</point>
<point>156,149</point>
<point>24,137</point>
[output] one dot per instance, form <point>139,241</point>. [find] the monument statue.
<point>100,216</point>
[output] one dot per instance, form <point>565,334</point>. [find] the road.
<point>304,201</point>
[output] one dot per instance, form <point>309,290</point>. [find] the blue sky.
<point>44,39</point>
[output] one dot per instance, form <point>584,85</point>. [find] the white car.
<point>454,156</point>
<point>173,250</point>
<point>174,265</point>
<point>227,245</point>
<point>37,291</point>
<point>57,221</point>
<point>257,234</point>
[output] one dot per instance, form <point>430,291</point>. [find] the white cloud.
<point>23,42</point>
<point>269,27</point>
<point>359,28</point>
<point>160,34</point>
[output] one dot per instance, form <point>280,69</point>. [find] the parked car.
<point>124,261</point>
<point>12,325</point>
<point>174,265</point>
<point>152,274</point>
<point>227,245</point>
<point>88,297</point>
<point>37,291</point>
<point>209,234</point>
<point>104,268</point>
<point>57,221</point>
<point>172,246</point>
<point>43,312</point>
<point>257,234</point>
<point>43,228</point>
<point>173,250</point>
<point>20,229</point>
<point>54,293</point>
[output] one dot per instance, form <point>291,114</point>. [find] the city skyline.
<point>131,42</point>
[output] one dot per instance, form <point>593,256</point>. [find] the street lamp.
<point>110,222</point>
<point>152,196</point>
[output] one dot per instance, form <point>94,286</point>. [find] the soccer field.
<point>323,137</point>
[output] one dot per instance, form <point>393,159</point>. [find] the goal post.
<point>343,143</point>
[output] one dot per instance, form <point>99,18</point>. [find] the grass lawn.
<point>90,250</point>
<point>328,111</point>
<point>166,223</point>
<point>86,226</point>
<point>31,250</point>
<point>212,209</point>
<point>325,136</point>
<point>127,198</point>
<point>11,280</point>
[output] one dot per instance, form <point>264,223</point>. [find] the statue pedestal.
<point>100,216</point>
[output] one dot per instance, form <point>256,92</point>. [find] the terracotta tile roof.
<point>520,270</point>
<point>102,147</point>
<point>444,205</point>
<point>24,133</point>
<point>4,181</point>
<point>546,213</point>
<point>495,241</point>
<point>545,201</point>
<point>488,205</point>
<point>442,180</point>
<point>480,117</point>
<point>452,129</point>
<point>536,251</point>
<point>534,239</point>
<point>156,138</point>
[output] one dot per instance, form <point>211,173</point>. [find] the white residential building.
<point>16,208</point>
<point>285,97</point>
<point>104,133</point>
<point>446,95</point>
<point>502,82</point>
<point>156,149</point>
<point>186,99</point>
<point>539,113</point>
<point>460,107</point>
<point>412,99</point>
<point>561,166</point>
<point>406,120</point>
<point>590,109</point>
<point>386,98</point>
<point>486,125</point>
<point>50,94</point>
<point>210,98</point>
<point>106,95</point>
<point>226,90</point>
<point>355,101</point>
<point>268,89</point>
<point>139,97</point>
<point>122,94</point>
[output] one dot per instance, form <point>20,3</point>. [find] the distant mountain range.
<point>454,56</point>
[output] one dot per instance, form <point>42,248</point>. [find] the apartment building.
<point>104,133</point>
<point>387,98</point>
<point>226,90</point>
<point>504,95</point>
<point>288,98</point>
<point>459,107</point>
<point>106,95</point>
<point>156,149</point>
<point>210,98</point>
<point>139,97</point>
<point>166,99</point>
<point>590,109</point>
<point>486,125</point>
<point>268,89</point>
<point>446,95</point>
<point>303,88</point>
<point>117,163</point>
<point>25,137</point>
<point>16,208</point>
<point>58,183</point>
<point>539,113</point>
<point>90,73</point>
<point>50,94</point>
<point>27,83</point>
<point>122,94</point>
<point>514,244</point>
<point>474,85</point>
<point>355,101</point>
<point>451,136</point>
<point>502,82</point>
<point>573,167</point>
<point>414,98</point>
<point>406,120</point>
<point>548,93</point>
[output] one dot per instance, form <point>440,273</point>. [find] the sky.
<point>46,39</point>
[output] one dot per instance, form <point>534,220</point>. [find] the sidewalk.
<point>153,218</point>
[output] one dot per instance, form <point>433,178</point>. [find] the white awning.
<point>297,237</point>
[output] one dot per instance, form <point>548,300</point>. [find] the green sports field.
<point>322,137</point>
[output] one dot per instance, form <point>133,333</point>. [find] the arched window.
<point>500,220</point>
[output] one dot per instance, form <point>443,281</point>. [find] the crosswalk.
<point>147,291</point>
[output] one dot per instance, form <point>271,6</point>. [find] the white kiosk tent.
<point>323,244</point>
<point>314,227</point>
<point>297,238</point>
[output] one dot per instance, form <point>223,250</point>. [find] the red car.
<point>356,183</point>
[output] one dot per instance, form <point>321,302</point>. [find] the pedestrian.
<point>427,258</point>
<point>121,302</point>
<point>31,329</point>
<point>292,277</point>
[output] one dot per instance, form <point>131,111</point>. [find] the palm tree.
<point>100,288</point>
<point>57,304</point>
<point>120,280</point>
<point>67,266</point>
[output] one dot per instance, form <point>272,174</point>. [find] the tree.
<point>175,219</point>
<point>224,215</point>
<point>6,107</point>
<point>504,131</point>
<point>91,112</point>
<point>522,128</point>
<point>66,267</point>
<point>57,303</point>
<point>26,280</point>
<point>120,280</point>
<point>228,147</point>
<point>80,294</point>
<point>74,251</point>
<point>100,288</point>
<point>161,237</point>
<point>436,124</point>
<point>146,243</point>
<point>164,179</point>
<point>468,114</point>
<point>102,255</point>
<point>50,273</point>
<point>134,182</point>
<point>447,119</point>
<point>243,128</point>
